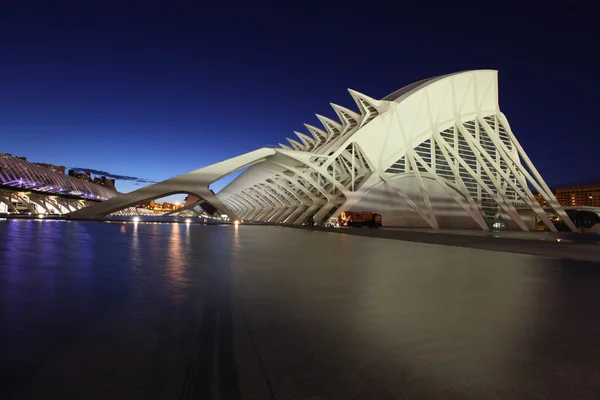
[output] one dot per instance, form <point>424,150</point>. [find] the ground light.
<point>236,222</point>
<point>187,221</point>
<point>136,219</point>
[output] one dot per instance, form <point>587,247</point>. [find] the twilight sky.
<point>153,90</point>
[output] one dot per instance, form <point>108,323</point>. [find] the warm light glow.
<point>40,215</point>
<point>187,221</point>
<point>236,222</point>
<point>558,240</point>
<point>136,219</point>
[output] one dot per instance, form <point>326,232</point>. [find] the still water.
<point>158,311</point>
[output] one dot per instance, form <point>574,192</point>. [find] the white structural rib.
<point>320,135</point>
<point>296,145</point>
<point>309,143</point>
<point>332,127</point>
<point>348,117</point>
<point>437,152</point>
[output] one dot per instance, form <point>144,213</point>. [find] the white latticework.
<point>443,140</point>
<point>437,153</point>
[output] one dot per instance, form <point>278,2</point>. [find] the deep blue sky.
<point>156,90</point>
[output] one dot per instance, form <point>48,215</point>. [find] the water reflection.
<point>13,247</point>
<point>176,262</point>
<point>331,315</point>
<point>236,238</point>
<point>136,247</point>
<point>474,316</point>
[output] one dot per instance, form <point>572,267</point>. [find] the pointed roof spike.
<point>371,100</point>
<point>304,136</point>
<point>316,132</point>
<point>349,117</point>
<point>295,145</point>
<point>307,140</point>
<point>339,109</point>
<point>357,96</point>
<point>333,127</point>
<point>283,146</point>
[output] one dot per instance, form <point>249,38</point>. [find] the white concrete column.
<point>309,211</point>
<point>291,219</point>
<point>323,211</point>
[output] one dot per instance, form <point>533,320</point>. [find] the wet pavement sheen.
<point>159,311</point>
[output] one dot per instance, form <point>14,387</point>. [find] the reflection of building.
<point>438,153</point>
<point>579,196</point>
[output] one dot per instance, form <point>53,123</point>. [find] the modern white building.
<point>437,153</point>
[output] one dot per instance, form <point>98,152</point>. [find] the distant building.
<point>106,182</point>
<point>168,206</point>
<point>80,175</point>
<point>52,167</point>
<point>150,205</point>
<point>579,196</point>
<point>160,207</point>
<point>575,196</point>
<point>540,199</point>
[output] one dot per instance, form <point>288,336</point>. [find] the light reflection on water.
<point>325,309</point>
<point>177,260</point>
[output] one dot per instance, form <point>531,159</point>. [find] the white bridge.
<point>30,188</point>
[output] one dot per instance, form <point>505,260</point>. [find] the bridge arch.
<point>194,183</point>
